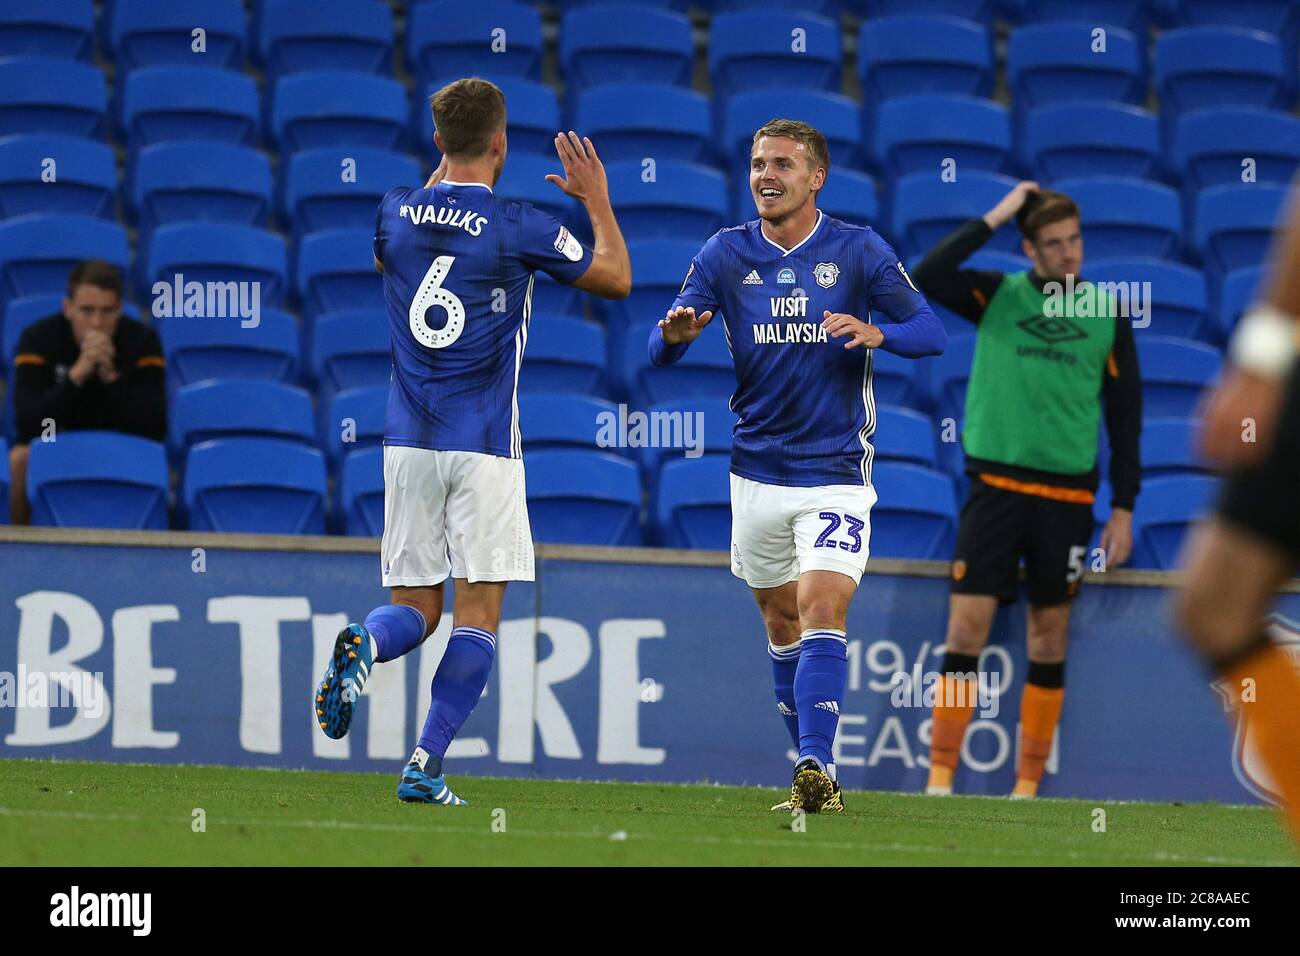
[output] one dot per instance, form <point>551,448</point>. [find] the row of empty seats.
<point>268,485</point>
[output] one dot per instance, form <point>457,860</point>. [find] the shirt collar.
<point>449,182</point>
<point>785,252</point>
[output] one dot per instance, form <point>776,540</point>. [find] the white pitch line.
<point>784,844</point>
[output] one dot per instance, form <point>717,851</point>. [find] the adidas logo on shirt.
<point>832,706</point>
<point>752,279</point>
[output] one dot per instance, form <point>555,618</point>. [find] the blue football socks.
<point>457,686</point>
<point>785,662</point>
<point>819,684</point>
<point>396,629</point>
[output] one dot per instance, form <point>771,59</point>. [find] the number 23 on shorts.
<point>852,528</point>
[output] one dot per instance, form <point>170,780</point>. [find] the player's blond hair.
<point>467,114</point>
<point>819,153</point>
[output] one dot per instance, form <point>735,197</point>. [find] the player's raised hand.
<point>1010,204</point>
<point>584,174</point>
<point>439,174</point>
<point>683,325</point>
<point>839,324</point>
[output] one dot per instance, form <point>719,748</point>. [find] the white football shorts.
<point>779,532</point>
<point>453,512</point>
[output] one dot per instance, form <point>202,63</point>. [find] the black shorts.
<point>1264,499</point>
<point>1000,527</point>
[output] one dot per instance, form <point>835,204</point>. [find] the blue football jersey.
<point>804,402</point>
<point>458,284</point>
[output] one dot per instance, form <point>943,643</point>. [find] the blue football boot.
<point>345,676</point>
<point>417,786</point>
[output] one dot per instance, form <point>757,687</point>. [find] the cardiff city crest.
<point>1246,761</point>
<point>826,273</point>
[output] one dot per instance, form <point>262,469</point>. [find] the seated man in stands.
<point>89,368</point>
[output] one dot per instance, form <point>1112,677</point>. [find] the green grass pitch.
<point>73,813</point>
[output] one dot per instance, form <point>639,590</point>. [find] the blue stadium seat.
<point>760,48</point>
<point>1169,448</point>
<point>1174,373</point>
<point>361,492</point>
<point>338,108</point>
<point>915,515</point>
<point>336,270</point>
<point>693,505</point>
<point>685,200</point>
<point>84,174</point>
<point>908,55</point>
<point>447,38</point>
<point>982,11</point>
<point>1090,138</point>
<point>299,35</point>
<point>64,30</point>
<point>1178,306</point>
<point>1279,17</point>
<point>564,355</point>
<point>1126,217</point>
<point>20,313</point>
<point>524,179</point>
<point>316,195</point>
<point>919,133</point>
<point>846,195</point>
<point>559,420</point>
<point>352,419</point>
<point>1201,67</point>
<point>351,349</point>
<point>1165,510</point>
<point>255,485</point>
<point>1047,62</point>
<point>579,497</point>
<point>218,252</point>
<point>1233,224</point>
<point>1210,146</point>
<point>98,480</point>
<point>1132,15</point>
<point>706,369</point>
<point>633,121</point>
<point>823,8</point>
<point>1237,292</point>
<point>163,103</point>
<point>147,33</point>
<point>555,298</point>
<point>685,428</point>
<point>4,482</point>
<point>37,252</point>
<point>625,43</point>
<point>192,181</point>
<point>532,116</point>
<point>658,269</point>
<point>240,408</point>
<point>903,434</point>
<point>950,375</point>
<point>49,95</point>
<point>896,381</point>
<point>926,209</point>
<point>836,116</point>
<point>213,348</point>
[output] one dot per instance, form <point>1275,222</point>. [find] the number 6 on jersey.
<point>431,294</point>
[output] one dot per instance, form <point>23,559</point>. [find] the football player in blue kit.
<point>797,290</point>
<point>458,263</point>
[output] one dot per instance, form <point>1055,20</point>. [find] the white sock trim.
<point>830,632</point>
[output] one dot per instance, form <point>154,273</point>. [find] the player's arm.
<point>610,273</point>
<point>691,311</point>
<point>967,292</point>
<point>1121,395</point>
<point>914,331</point>
<point>1240,416</point>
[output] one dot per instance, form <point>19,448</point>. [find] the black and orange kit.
<point>1264,498</point>
<point>135,403</point>
<point>1043,377</point>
